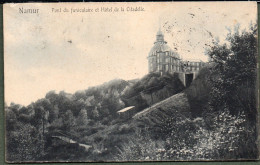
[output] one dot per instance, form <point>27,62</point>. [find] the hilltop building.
<point>162,59</point>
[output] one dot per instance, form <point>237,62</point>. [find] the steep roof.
<point>159,32</point>
<point>161,46</point>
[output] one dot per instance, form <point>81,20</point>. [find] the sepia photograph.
<point>130,81</point>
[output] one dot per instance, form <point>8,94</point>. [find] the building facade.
<point>162,59</point>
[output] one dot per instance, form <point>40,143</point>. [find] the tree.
<point>10,120</point>
<point>96,113</point>
<point>68,121</point>
<point>82,119</point>
<point>233,81</point>
<point>23,143</point>
<point>234,71</point>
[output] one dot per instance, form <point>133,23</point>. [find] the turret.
<point>159,36</point>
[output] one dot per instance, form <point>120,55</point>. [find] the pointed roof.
<point>161,46</point>
<point>159,33</point>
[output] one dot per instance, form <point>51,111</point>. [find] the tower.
<point>162,59</point>
<point>160,36</point>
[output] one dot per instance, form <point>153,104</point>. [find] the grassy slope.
<point>180,118</point>
<point>104,137</point>
<point>153,119</point>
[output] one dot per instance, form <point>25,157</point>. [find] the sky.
<point>66,51</point>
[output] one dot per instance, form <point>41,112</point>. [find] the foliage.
<point>234,69</point>
<point>232,98</point>
<point>189,139</point>
<point>142,147</point>
<point>24,144</point>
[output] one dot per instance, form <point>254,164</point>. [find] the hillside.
<point>171,123</point>
<point>183,127</point>
<point>173,128</point>
<point>81,116</point>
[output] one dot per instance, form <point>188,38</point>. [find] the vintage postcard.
<point>130,81</point>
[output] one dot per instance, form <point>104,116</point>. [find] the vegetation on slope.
<point>80,116</point>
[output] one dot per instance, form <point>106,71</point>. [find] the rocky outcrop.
<point>151,89</point>
<point>157,95</point>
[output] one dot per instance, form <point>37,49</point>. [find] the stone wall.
<point>183,79</point>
